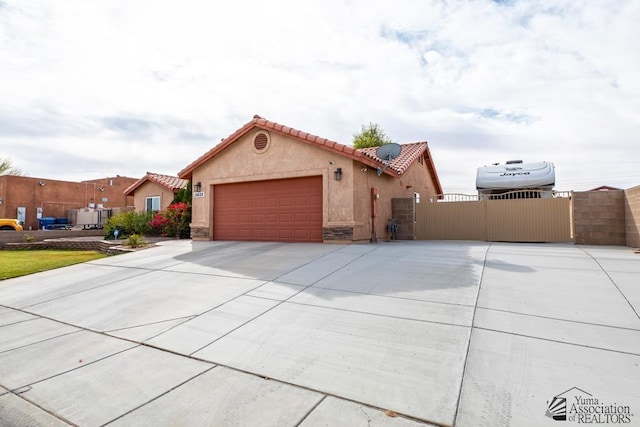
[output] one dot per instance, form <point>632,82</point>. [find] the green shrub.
<point>141,223</point>
<point>128,223</point>
<point>136,240</point>
<point>123,221</point>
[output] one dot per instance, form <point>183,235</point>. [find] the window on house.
<point>153,203</point>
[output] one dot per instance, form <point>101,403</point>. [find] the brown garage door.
<point>283,210</point>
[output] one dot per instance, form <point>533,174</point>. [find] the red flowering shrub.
<point>174,222</point>
<point>158,223</point>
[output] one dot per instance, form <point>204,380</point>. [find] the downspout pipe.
<point>374,197</point>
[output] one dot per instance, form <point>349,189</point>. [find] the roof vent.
<point>514,162</point>
<point>261,141</point>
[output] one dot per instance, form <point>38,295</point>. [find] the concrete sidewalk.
<point>231,333</point>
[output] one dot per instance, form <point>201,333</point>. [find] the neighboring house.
<point>31,198</point>
<point>154,191</point>
<point>270,182</point>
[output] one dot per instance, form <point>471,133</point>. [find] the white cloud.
<point>125,87</point>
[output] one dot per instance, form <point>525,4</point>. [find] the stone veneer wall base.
<point>337,233</point>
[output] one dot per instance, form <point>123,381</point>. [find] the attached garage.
<point>283,210</point>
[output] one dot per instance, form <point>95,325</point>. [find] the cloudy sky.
<point>90,89</point>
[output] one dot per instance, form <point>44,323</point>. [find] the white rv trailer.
<point>516,180</point>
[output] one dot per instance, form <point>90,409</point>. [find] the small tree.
<point>7,168</point>
<point>183,195</point>
<point>371,135</point>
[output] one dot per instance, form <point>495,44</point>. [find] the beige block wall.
<point>151,189</point>
<point>599,217</point>
<point>632,216</point>
<point>284,158</point>
<point>404,212</point>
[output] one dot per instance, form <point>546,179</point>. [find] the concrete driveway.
<point>270,334</point>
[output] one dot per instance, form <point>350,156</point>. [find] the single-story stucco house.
<point>271,182</point>
<point>154,191</point>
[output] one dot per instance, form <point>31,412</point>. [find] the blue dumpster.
<point>46,222</point>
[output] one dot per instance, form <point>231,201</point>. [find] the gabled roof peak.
<point>410,152</point>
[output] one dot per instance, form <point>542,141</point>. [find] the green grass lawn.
<point>20,263</point>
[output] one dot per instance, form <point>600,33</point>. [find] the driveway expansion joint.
<point>473,322</point>
<point>613,282</point>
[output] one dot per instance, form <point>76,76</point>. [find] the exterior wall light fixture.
<point>337,174</point>
<point>197,187</point>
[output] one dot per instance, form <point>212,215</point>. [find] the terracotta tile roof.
<point>409,154</point>
<point>172,183</point>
